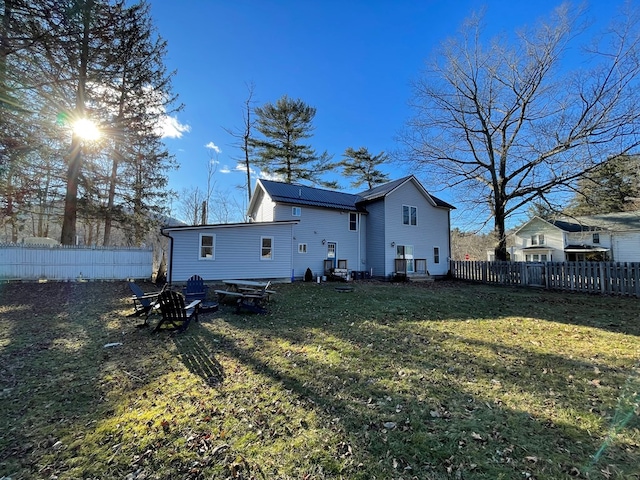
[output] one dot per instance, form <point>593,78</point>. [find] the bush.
<point>308,275</point>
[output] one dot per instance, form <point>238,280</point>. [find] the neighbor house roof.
<point>616,222</point>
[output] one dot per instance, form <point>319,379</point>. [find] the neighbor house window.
<point>353,222</point>
<point>207,247</point>
<point>296,211</point>
<point>436,254</point>
<point>266,248</point>
<point>409,215</point>
<point>596,238</point>
<point>302,248</point>
<point>537,239</point>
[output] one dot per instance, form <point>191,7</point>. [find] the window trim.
<point>213,246</point>
<point>410,218</point>
<point>296,211</point>
<point>355,221</point>
<point>302,248</point>
<point>596,238</point>
<point>436,255</point>
<point>262,247</point>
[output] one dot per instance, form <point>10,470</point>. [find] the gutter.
<point>170,269</point>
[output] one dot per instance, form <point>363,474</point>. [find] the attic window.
<point>296,211</point>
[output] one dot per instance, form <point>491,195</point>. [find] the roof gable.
<point>381,191</point>
<point>296,194</point>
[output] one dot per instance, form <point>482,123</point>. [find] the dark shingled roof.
<point>297,194</point>
<point>573,226</point>
<point>304,195</point>
<point>382,190</point>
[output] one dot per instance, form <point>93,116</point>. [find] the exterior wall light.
<point>393,244</point>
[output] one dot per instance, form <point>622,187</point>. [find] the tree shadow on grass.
<point>436,398</point>
<point>197,353</point>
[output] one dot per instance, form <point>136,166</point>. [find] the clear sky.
<point>352,60</point>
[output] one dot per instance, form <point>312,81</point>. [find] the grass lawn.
<point>390,381</point>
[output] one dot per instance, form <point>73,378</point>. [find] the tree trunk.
<point>75,157</point>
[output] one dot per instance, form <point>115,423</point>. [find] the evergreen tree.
<point>284,126</point>
<point>613,186</point>
<point>361,165</point>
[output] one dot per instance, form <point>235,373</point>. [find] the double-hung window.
<point>537,240</point>
<point>596,238</point>
<point>296,211</point>
<point>266,248</point>
<point>353,222</point>
<point>436,254</point>
<point>409,215</point>
<point>207,247</point>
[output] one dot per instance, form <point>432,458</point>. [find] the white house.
<point>294,227</point>
<point>611,236</point>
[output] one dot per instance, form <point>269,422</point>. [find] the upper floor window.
<point>296,211</point>
<point>207,247</point>
<point>302,248</point>
<point>409,215</point>
<point>353,222</point>
<point>596,238</point>
<point>537,239</point>
<point>266,248</point>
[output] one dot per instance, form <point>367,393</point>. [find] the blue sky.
<point>352,60</point>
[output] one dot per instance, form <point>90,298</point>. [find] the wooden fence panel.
<point>34,262</point>
<point>592,277</point>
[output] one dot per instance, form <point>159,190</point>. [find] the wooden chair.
<point>175,315</point>
<point>195,289</point>
<point>143,303</point>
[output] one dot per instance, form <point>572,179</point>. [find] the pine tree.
<point>284,126</point>
<point>361,165</point>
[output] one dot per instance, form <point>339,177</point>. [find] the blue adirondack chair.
<point>195,289</point>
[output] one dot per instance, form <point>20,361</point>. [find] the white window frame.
<point>264,257</point>
<point>537,239</point>
<point>212,246</point>
<point>296,211</point>
<point>355,222</point>
<point>412,220</point>
<point>436,254</point>
<point>596,238</point>
<point>302,248</point>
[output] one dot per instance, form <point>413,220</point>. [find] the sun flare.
<point>86,129</point>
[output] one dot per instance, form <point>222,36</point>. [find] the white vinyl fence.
<point>609,278</point>
<point>38,262</point>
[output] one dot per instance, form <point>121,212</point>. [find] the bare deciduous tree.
<point>510,123</point>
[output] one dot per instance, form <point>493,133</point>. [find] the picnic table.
<point>248,294</point>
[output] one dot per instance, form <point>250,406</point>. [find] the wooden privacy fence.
<point>594,277</point>
<point>36,262</point>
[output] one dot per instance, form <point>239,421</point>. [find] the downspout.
<point>449,235</point>
<point>170,269</point>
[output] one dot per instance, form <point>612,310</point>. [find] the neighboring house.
<point>294,227</point>
<point>611,236</point>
